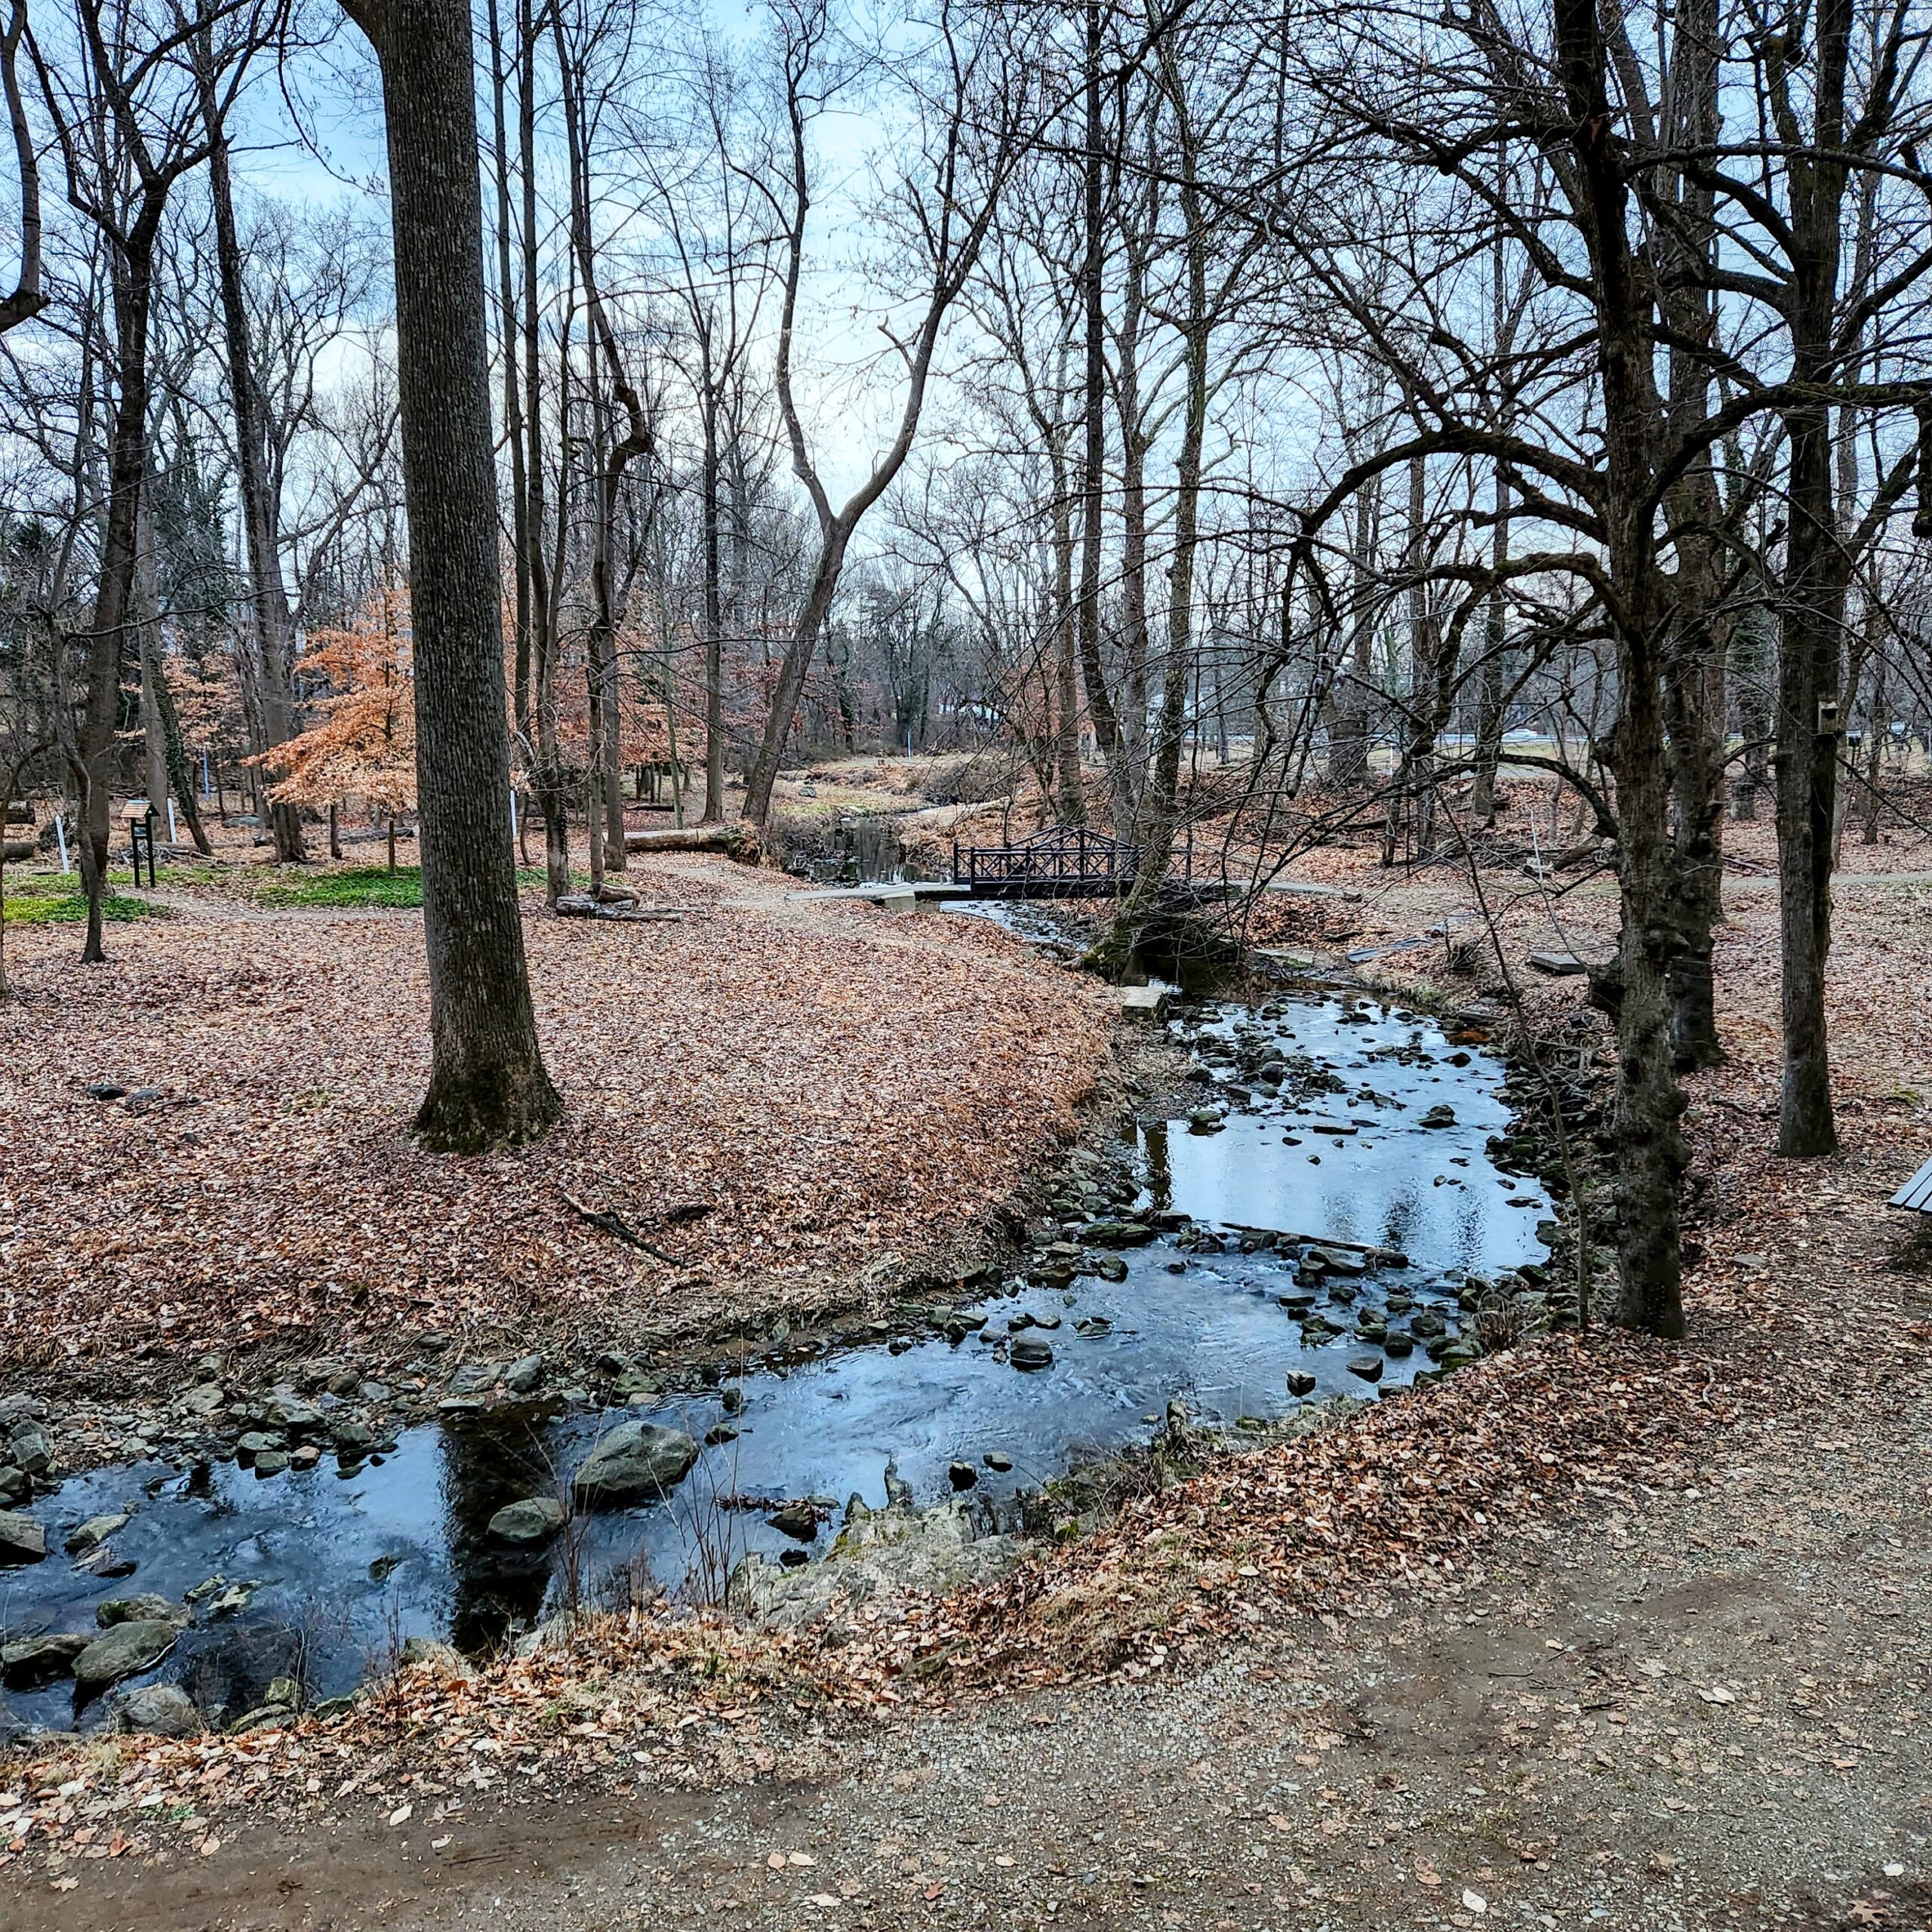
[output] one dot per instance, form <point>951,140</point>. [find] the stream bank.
<point>1325,1220</point>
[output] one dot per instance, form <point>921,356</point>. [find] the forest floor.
<point>776,1094</point>
<point>1596,1633</point>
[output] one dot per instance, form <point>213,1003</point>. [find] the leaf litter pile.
<point>769,1093</point>
<point>1795,1301</point>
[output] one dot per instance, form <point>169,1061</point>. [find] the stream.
<point>323,1573</point>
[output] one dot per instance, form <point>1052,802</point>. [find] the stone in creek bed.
<point>34,1659</point>
<point>1301,1383</point>
<point>636,1461</point>
<point>161,1710</point>
<point>22,1540</point>
<point>998,1461</point>
<point>124,1650</point>
<point>1335,1261</point>
<point>523,1375</point>
<point>527,1524</point>
<point>1116,1234</point>
<point>1441,1115</point>
<point>271,1463</point>
<point>94,1532</point>
<point>1369,1367</point>
<point>31,1450</point>
<point>1111,1268</point>
<point>798,1520</point>
<point>962,1475</point>
<point>1029,1351</point>
<point>149,1607</point>
<point>13,1484</point>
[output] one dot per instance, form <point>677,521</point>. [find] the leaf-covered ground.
<point>828,1082</point>
<point>1600,1631</point>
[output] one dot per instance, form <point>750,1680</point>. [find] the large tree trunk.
<point>487,1085</point>
<point>1807,761</point>
<point>1650,1154</point>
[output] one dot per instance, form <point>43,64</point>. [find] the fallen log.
<point>581,906</point>
<point>734,842</point>
<point>1385,1257</point>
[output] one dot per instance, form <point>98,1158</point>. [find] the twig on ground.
<point>617,1228</point>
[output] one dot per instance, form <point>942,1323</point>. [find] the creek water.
<point>345,1564</point>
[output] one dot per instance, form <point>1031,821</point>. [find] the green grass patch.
<point>59,901</point>
<point>349,887</point>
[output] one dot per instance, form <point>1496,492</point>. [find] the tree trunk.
<point>269,602</point>
<point>487,1085</point>
<point>1066,671</point>
<point>1650,1149</point>
<point>714,615</point>
<point>1495,651</point>
<point>114,601</point>
<point>1092,461</point>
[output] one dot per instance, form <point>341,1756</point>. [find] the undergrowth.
<point>58,901</point>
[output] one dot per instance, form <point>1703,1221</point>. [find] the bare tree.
<point>487,1085</point>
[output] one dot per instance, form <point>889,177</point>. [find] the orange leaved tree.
<point>365,746</point>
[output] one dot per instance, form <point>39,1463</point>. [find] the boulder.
<point>633,1463</point>
<point>160,1710</point>
<point>1030,1352</point>
<point>1301,1383</point>
<point>125,1651</point>
<point>94,1532</point>
<point>34,1659</point>
<point>1369,1367</point>
<point>22,1540</point>
<point>527,1524</point>
<point>31,1450</point>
